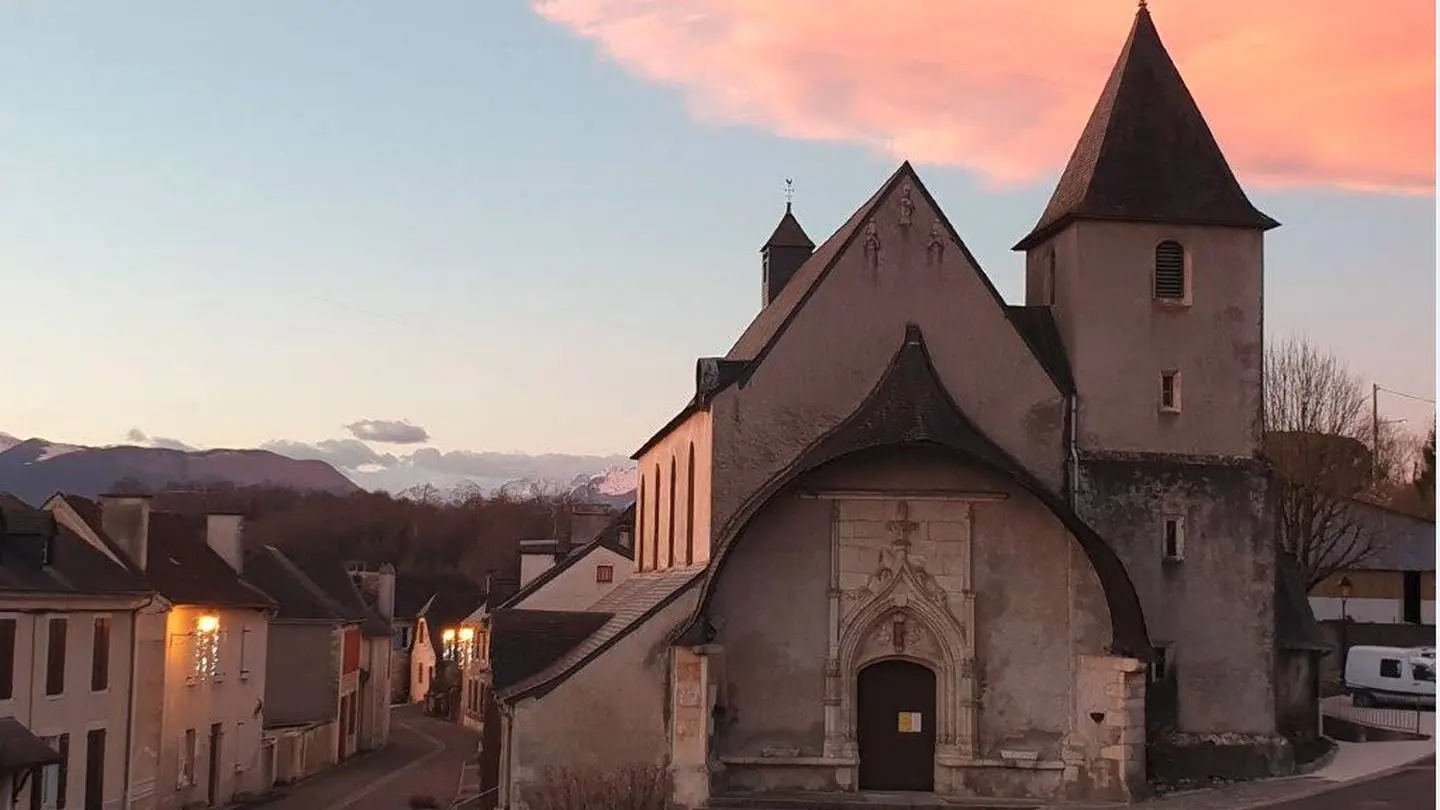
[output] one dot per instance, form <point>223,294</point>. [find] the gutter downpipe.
<point>1074,449</point>
<point>130,715</point>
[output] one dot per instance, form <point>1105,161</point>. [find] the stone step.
<point>862,801</point>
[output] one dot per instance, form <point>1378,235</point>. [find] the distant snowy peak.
<point>614,486</point>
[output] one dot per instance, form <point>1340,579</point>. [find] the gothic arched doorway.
<point>895,726</point>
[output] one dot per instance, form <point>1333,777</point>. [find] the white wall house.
<point>67,623</point>
<point>199,660</point>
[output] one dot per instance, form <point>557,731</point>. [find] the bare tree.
<point>1316,430</point>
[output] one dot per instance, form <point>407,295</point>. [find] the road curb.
<point>1329,787</point>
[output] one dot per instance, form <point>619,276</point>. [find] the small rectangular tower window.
<point>1173,538</point>
<point>1170,391</point>
<point>1160,667</point>
<point>1170,281</point>
<point>604,573</point>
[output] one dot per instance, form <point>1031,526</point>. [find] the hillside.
<point>34,469</point>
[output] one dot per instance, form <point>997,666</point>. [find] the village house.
<point>67,621</point>
<point>366,655</point>
<point>423,601</point>
<point>313,678</point>
<point>1395,582</point>
<point>200,661</point>
<point>909,537</point>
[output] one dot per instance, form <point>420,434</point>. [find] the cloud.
<point>388,431</point>
<point>1299,93</point>
<point>138,436</point>
<point>343,454</point>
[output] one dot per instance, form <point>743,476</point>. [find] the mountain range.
<point>33,469</point>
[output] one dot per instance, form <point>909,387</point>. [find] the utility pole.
<point>1374,433</point>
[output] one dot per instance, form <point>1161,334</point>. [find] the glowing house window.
<point>207,647</point>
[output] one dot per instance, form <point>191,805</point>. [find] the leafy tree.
<point>1425,475</point>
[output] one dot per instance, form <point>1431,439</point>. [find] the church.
<point>907,536</point>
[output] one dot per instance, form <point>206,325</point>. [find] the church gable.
<point>819,349</point>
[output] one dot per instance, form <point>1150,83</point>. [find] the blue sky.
<point>232,223</point>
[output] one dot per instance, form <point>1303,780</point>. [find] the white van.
<point>1391,675</point>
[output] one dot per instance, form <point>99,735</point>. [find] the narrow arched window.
<point>655,523</point>
<point>670,523</point>
<point>1170,281</point>
<point>640,504</point>
<point>690,507</point>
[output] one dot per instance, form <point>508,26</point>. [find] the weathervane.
<point>789,192</point>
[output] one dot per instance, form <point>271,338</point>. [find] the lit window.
<point>1170,271</point>
<point>604,573</point>
<point>1174,538</point>
<point>1170,391</point>
<point>207,647</point>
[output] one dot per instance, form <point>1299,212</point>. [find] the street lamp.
<point>1345,591</point>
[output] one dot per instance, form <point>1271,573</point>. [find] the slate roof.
<point>20,748</point>
<point>414,592</point>
<point>524,642</point>
<point>789,233</point>
<point>334,581</point>
<point>1403,542</point>
<point>1036,324</point>
<point>627,607</point>
<point>1146,154</point>
<point>298,598</point>
<point>75,566</point>
<point>179,564</point>
<point>188,572</point>
<point>609,538</point>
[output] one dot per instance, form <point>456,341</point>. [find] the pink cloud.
<point>1337,94</point>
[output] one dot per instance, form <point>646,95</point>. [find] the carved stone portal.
<point>903,611</point>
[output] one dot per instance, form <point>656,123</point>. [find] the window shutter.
<point>1170,271</point>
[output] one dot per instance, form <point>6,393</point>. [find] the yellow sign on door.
<point>910,723</point>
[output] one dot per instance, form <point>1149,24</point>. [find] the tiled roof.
<point>1146,153</point>
<point>525,642</point>
<point>299,598</point>
<point>1037,326</point>
<point>627,606</point>
<point>1402,542</point>
<point>74,565</point>
<point>608,538</point>
<point>20,748</point>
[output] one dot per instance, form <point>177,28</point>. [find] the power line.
<point>1405,395</point>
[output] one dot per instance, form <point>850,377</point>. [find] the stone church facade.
<point>907,536</point>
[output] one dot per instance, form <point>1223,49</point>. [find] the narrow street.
<point>425,757</point>
<point>1409,788</point>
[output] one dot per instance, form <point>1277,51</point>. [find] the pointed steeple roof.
<point>1147,155</point>
<point>788,233</point>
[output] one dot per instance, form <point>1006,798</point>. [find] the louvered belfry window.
<point>1170,271</point>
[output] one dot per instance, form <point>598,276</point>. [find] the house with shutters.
<point>68,618</point>
<point>907,536</point>
<point>199,652</point>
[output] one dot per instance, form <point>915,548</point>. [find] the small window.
<point>604,573</point>
<point>1160,667</point>
<point>100,655</point>
<point>1389,668</point>
<point>1423,672</point>
<point>55,658</point>
<point>1170,271</point>
<point>7,659</point>
<point>1170,391</point>
<point>1174,538</point>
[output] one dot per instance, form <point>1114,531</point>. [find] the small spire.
<point>1142,5</point>
<point>789,193</point>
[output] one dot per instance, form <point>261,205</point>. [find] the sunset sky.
<point>516,224</point>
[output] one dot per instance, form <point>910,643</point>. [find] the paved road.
<point>1411,788</point>
<point>423,757</point>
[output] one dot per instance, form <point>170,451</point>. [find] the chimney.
<point>587,520</point>
<point>783,254</point>
<point>222,535</point>
<point>126,520</point>
<point>385,592</point>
